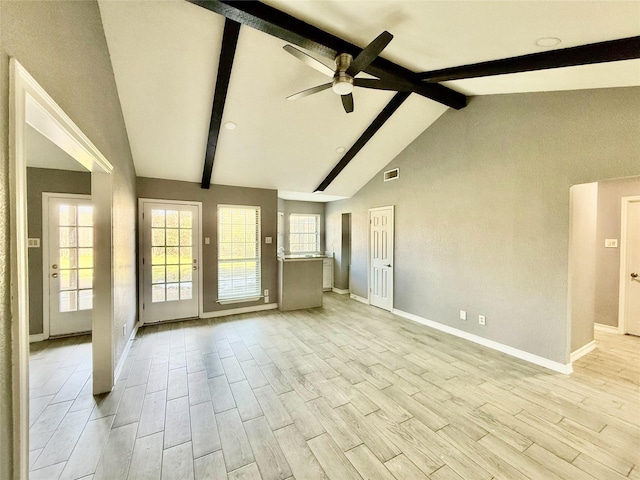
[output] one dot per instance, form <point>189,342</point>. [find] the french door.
<point>68,270</point>
<point>170,261</point>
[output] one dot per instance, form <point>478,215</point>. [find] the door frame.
<point>393,250</point>
<point>624,252</point>
<point>30,104</point>
<point>46,196</point>
<point>198,205</point>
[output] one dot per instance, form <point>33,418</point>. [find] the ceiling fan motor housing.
<point>342,82</point>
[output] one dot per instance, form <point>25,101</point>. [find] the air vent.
<point>391,174</point>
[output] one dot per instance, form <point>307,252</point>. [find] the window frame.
<point>318,233</point>
<point>257,294</point>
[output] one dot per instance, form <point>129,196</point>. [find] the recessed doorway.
<point>31,107</point>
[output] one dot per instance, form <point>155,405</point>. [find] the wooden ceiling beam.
<point>227,54</point>
<point>288,28</point>
<point>601,52</point>
<point>380,120</point>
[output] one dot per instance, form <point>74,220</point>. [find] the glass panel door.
<point>70,267</point>
<point>170,261</point>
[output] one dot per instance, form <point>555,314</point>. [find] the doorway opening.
<point>599,263</point>
<point>345,253</point>
<point>629,304</point>
<point>32,109</point>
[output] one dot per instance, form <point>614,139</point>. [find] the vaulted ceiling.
<point>165,56</point>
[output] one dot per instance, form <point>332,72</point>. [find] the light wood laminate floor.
<point>342,392</point>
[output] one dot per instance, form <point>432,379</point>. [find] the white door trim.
<point>393,250</point>
<point>30,104</point>
<point>198,205</point>
<point>624,251</point>
<point>45,253</point>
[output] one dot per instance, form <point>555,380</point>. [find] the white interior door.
<point>381,261</point>
<point>68,271</point>
<point>171,239</point>
<point>631,273</point>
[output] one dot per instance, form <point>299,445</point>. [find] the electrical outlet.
<point>463,315</point>
<point>266,299</point>
<point>266,292</point>
<point>482,320</point>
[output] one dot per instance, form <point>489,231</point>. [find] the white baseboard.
<point>357,298</point>
<point>235,311</point>
<point>514,352</point>
<point>339,290</point>
<point>582,351</point>
<point>599,327</point>
<point>125,353</point>
<point>37,337</point>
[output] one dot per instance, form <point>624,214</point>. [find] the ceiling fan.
<point>346,70</point>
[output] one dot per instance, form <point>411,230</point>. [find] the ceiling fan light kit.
<point>343,82</point>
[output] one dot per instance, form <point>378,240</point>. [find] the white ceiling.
<point>165,59</point>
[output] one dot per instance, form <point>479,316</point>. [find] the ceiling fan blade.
<point>347,102</point>
<point>309,91</point>
<point>309,60</point>
<point>369,54</point>
<point>386,84</point>
<point>601,52</point>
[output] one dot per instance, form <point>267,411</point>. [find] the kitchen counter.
<point>300,278</point>
<point>296,256</point>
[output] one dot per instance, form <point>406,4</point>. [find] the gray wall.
<point>267,200</point>
<point>291,206</point>
<point>41,180</point>
<point>482,210</point>
<point>610,193</point>
<point>582,262</point>
<point>62,45</point>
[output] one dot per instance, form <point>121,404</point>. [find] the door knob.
<point>195,268</point>
<point>388,265</point>
<point>54,266</point>
<point>54,275</point>
<point>634,275</point>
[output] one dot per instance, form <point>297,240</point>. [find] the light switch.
<point>268,240</point>
<point>34,243</point>
<point>610,243</point>
<point>207,240</point>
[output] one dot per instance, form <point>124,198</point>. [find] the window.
<point>304,233</point>
<point>238,253</point>
<point>75,255</point>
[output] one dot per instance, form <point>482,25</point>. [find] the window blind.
<point>304,233</point>
<point>238,253</point>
